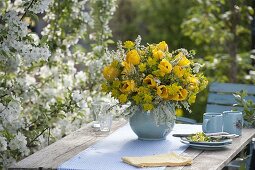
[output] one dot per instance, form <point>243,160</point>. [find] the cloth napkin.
<point>170,159</point>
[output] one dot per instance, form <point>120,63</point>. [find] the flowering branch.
<point>30,143</point>
<point>27,9</point>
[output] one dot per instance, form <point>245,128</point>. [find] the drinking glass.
<point>105,121</point>
<point>97,108</point>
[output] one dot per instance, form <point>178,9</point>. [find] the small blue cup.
<point>233,122</point>
<point>212,122</point>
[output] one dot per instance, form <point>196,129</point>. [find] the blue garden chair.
<point>221,96</point>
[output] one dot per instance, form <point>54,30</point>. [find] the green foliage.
<point>248,108</point>
<point>154,20</point>
<point>220,28</point>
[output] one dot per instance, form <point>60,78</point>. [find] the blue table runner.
<point>106,154</point>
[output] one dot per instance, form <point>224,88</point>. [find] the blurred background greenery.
<point>220,31</point>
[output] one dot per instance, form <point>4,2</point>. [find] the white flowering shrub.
<point>48,83</point>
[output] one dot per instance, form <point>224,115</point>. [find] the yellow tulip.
<point>178,71</point>
<point>127,86</point>
<point>183,61</point>
<point>162,91</point>
<point>183,94</point>
<point>162,46</point>
<point>129,44</point>
<point>174,89</point>
<point>179,96</point>
<point>165,67</point>
<point>133,57</point>
<point>193,83</point>
<point>110,73</point>
<point>150,81</point>
<point>158,54</point>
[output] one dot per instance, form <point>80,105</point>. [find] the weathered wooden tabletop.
<point>59,152</point>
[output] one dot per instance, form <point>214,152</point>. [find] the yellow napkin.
<point>170,159</point>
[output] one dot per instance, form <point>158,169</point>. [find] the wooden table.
<point>61,151</point>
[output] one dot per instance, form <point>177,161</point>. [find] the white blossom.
<point>197,67</point>
<point>3,144</point>
<point>40,6</point>
<point>19,142</point>
<point>77,96</point>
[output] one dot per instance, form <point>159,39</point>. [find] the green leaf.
<point>109,41</point>
<point>43,40</point>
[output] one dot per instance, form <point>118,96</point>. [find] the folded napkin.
<point>170,159</point>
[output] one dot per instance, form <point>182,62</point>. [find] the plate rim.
<point>206,146</point>
<point>225,141</point>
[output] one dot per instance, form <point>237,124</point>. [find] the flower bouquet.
<point>152,79</point>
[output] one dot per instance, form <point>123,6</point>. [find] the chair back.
<point>221,97</point>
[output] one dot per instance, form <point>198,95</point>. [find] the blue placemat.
<point>106,154</point>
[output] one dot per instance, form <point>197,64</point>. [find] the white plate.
<point>206,147</point>
<point>221,142</point>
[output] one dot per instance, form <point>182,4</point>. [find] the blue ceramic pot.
<point>146,128</point>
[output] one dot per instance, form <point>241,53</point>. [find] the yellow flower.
<point>137,99</point>
<point>127,67</point>
<point>183,94</point>
<point>152,61</point>
<point>158,54</point>
<point>127,86</point>
<point>142,52</point>
<point>152,46</point>
<point>192,99</point>
<point>148,106</point>
<point>116,84</point>
<point>114,63</point>
<point>173,97</point>
<point>165,67</point>
<point>133,57</point>
<point>162,46</point>
<point>110,73</point>
<point>142,67</point>
<point>104,87</point>
<point>174,89</point>
<point>179,96</point>
<point>178,71</point>
<point>115,93</point>
<point>193,83</point>
<point>143,90</point>
<point>123,98</point>
<point>147,98</point>
<point>183,61</point>
<point>129,44</point>
<point>150,81</point>
<point>179,112</point>
<point>162,91</point>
